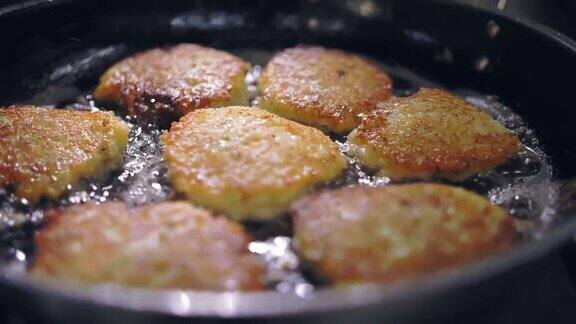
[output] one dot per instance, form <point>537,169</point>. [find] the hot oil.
<point>522,185</point>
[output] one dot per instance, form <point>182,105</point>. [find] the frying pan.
<point>51,48</point>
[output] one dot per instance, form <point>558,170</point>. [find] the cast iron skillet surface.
<point>55,51</point>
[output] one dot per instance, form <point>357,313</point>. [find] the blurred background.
<point>557,14</point>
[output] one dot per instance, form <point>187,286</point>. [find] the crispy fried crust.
<point>387,233</point>
<point>431,134</point>
<point>322,87</point>
<point>245,161</point>
<point>42,151</point>
<point>163,245</point>
<point>170,83</point>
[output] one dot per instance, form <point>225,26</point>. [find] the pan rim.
<point>250,304</point>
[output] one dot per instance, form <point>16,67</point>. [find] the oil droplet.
<point>492,28</point>
<point>482,64</point>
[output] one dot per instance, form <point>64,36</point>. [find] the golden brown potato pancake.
<point>381,234</point>
<point>431,134</point>
<point>161,245</point>
<point>324,88</point>
<point>169,83</point>
<point>247,162</point>
<point>43,151</point>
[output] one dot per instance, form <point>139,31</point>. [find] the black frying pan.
<point>50,48</point>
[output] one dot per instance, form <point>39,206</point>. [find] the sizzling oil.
<point>522,185</point>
